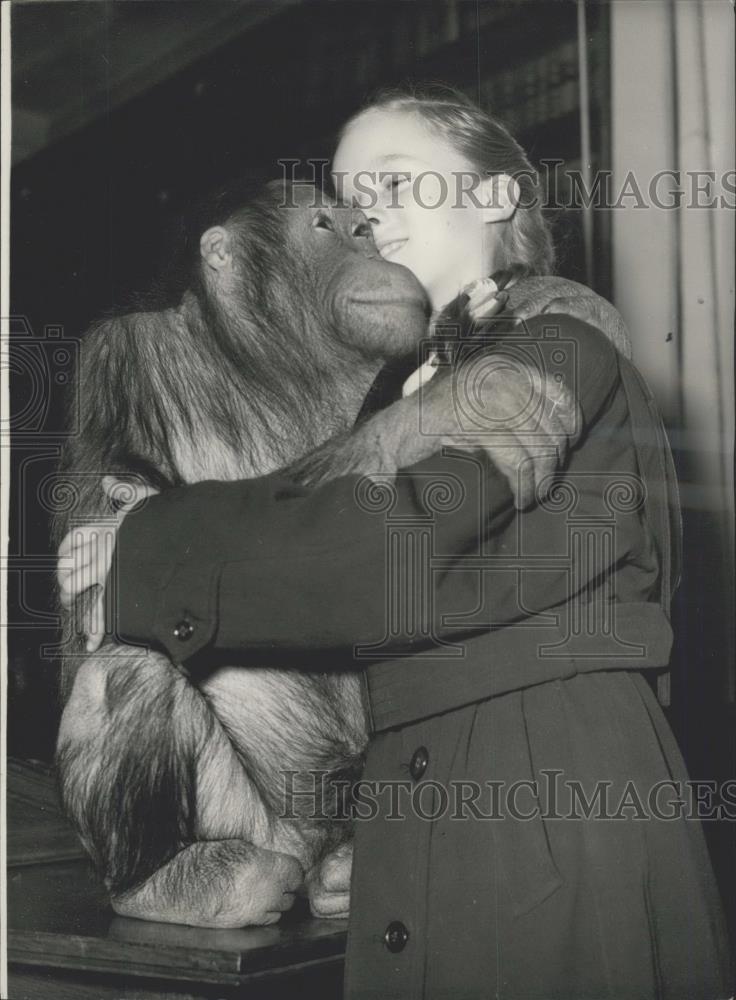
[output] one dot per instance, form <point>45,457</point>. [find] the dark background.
<point>126,112</point>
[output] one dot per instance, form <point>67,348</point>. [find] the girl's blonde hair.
<point>527,241</point>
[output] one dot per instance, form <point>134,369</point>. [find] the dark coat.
<point>522,669</point>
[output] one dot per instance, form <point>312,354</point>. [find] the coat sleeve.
<point>264,564</point>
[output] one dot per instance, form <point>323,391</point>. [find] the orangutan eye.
<point>322,221</point>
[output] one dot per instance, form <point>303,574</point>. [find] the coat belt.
<point>520,655</point>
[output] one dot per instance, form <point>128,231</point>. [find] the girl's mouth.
<point>391,248</point>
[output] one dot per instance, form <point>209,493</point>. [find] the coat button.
<point>184,630</point>
<point>419,762</point>
<point>396,936</point>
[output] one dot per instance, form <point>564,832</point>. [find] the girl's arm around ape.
<point>309,567</point>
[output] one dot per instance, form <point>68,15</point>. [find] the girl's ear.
<point>215,248</point>
<point>500,195</point>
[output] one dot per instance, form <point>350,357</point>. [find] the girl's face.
<point>425,201</point>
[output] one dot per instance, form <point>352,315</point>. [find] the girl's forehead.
<point>378,137</point>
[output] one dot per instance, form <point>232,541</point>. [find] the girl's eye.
<point>323,221</point>
<point>396,180</point>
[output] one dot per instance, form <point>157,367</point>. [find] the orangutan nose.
<point>362,231</point>
<point>362,228</point>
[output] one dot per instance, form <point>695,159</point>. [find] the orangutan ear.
<point>500,195</point>
<point>215,247</point>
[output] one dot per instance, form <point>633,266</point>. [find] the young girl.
<point>528,843</point>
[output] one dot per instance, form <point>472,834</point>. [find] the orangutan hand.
<point>524,419</point>
<point>217,883</point>
<point>329,884</point>
<point>85,556</point>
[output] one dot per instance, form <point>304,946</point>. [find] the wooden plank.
<point>37,831</point>
<point>69,951</point>
<point>324,982</point>
<point>37,986</point>
<point>249,954</point>
<point>39,844</point>
<point>34,784</point>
